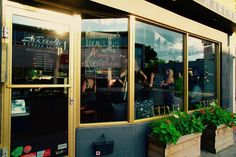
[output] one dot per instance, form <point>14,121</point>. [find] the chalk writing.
<point>100,52</point>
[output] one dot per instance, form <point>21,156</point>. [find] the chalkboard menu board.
<point>35,49</point>
<point>101,52</point>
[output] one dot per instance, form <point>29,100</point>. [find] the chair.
<point>88,114</point>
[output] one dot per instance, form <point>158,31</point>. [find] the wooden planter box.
<point>188,145</point>
<point>215,139</point>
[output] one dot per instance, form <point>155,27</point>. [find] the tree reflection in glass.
<point>158,70</point>
<point>201,60</point>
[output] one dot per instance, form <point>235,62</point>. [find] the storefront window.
<point>202,78</point>
<point>104,56</point>
<point>158,70</point>
<point>40,52</point>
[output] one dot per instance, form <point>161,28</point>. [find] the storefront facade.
<point>79,75</point>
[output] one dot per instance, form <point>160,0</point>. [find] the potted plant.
<point>218,133</point>
<point>177,135</point>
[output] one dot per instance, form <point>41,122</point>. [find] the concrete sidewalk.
<point>229,152</point>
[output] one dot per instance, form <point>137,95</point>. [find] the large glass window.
<point>40,52</point>
<point>202,74</point>
<point>158,70</point>
<point>104,57</point>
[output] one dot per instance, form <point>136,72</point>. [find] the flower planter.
<point>188,145</point>
<point>215,139</point>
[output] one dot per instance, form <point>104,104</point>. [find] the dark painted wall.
<point>227,80</point>
<point>129,140</point>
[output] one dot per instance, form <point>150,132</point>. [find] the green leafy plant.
<point>165,131</point>
<point>188,123</point>
<point>215,115</point>
<point>170,129</point>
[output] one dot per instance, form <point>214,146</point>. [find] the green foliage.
<point>165,131</point>
<point>170,129</point>
<point>188,123</point>
<point>215,115</point>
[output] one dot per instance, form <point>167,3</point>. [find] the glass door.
<point>39,86</point>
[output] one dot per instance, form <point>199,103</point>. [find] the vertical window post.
<point>186,72</point>
<point>218,83</point>
<point>131,64</point>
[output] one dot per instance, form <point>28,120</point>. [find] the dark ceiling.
<point>89,8</point>
<point>196,12</point>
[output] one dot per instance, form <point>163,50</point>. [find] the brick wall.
<point>230,4</point>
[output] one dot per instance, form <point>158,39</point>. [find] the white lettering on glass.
<point>42,41</point>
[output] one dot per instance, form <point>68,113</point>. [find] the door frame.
<point>72,21</point>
